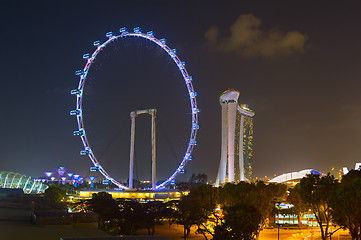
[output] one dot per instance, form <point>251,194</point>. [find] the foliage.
<point>346,203</point>
<point>258,194</point>
<point>316,191</point>
<point>194,181</point>
<point>55,193</point>
<point>189,213</point>
<point>207,197</point>
<point>294,198</point>
<point>241,221</point>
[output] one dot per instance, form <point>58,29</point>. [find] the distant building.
<point>357,167</point>
<point>237,137</point>
<point>17,180</point>
<point>293,178</point>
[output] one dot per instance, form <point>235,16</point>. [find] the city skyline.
<point>296,66</point>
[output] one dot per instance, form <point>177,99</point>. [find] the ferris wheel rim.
<point>80,90</point>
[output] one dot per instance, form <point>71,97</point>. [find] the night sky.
<point>296,64</point>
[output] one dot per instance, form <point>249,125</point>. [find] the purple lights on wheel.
<point>77,112</point>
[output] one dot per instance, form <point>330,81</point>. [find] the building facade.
<point>237,138</point>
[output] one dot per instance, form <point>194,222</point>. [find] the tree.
<point>207,197</point>
<point>294,197</point>
<point>103,204</point>
<point>241,221</point>
<point>55,193</point>
<point>189,213</point>
<point>131,216</point>
<point>316,191</point>
<point>262,196</point>
<point>346,203</point>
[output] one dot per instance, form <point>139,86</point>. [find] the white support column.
<point>221,177</point>
<point>24,188</point>
<point>12,181</point>
<point>6,178</point>
<point>133,115</point>
<point>232,111</point>
<point>32,187</point>
<point>153,113</point>
<point>19,181</point>
<point>132,138</point>
<point>241,160</point>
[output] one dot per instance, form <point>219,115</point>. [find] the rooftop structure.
<point>293,177</point>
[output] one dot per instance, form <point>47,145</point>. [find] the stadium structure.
<point>237,135</point>
<point>293,177</point>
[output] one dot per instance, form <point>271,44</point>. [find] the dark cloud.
<point>248,39</point>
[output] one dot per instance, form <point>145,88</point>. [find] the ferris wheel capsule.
<point>79,73</point>
<point>137,30</point>
<point>94,169</point>
<point>75,91</point>
<point>150,33</point>
<point>109,34</point>
<point>87,55</point>
<point>107,182</point>
<point>97,43</point>
<point>75,112</point>
<point>123,30</point>
<point>78,132</point>
<point>85,152</point>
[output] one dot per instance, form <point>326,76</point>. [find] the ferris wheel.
<point>79,92</point>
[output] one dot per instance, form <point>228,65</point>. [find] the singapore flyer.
<point>88,75</point>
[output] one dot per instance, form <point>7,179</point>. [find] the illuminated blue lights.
<point>87,55</point>
<point>150,33</point>
<point>79,73</point>
<point>162,43</point>
<point>137,30</point>
<point>193,94</point>
<point>75,91</point>
<point>109,34</point>
<point>94,169</point>
<point>182,171</point>
<point>78,133</point>
<point>85,152</point>
<point>107,182</point>
<point>195,110</point>
<point>195,126</point>
<point>123,30</point>
<point>75,112</point>
<point>97,43</point>
<point>189,79</point>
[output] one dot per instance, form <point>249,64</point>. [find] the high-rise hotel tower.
<point>237,135</point>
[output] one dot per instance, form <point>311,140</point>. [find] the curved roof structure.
<point>229,95</point>
<point>17,180</point>
<point>293,176</point>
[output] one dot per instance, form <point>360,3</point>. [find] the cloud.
<point>248,39</point>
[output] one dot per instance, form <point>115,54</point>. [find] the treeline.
<point>330,200</point>
<point>237,211</point>
<point>234,211</point>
